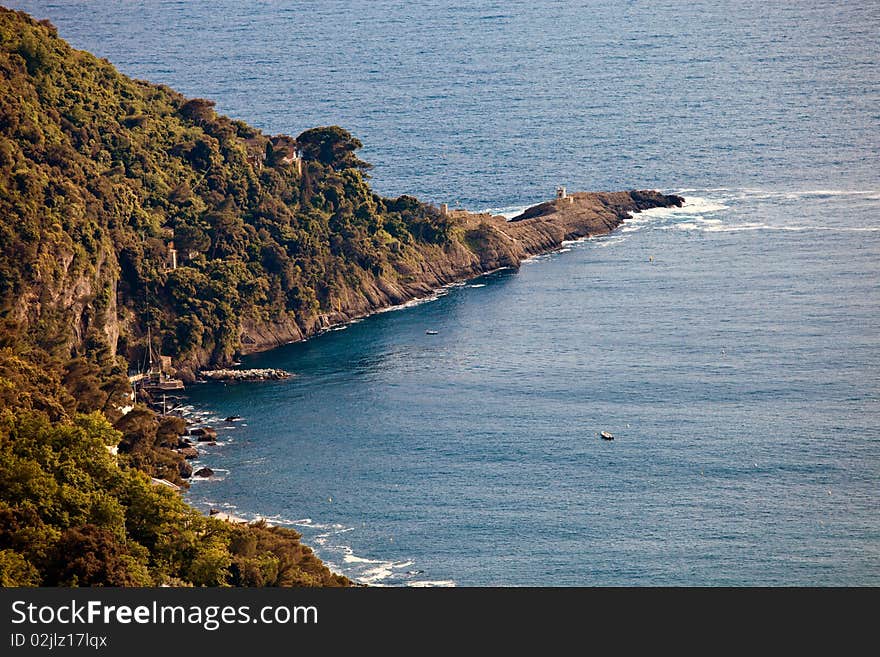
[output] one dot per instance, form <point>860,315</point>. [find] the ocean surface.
<point>732,346</point>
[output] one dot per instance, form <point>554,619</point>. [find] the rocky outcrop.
<point>484,243</point>
<point>73,296</point>
<point>204,434</point>
<point>188,452</point>
<point>267,374</point>
<point>185,470</point>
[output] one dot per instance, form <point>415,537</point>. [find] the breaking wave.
<point>326,540</point>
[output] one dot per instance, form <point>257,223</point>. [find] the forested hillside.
<point>128,210</point>
<point>101,176</point>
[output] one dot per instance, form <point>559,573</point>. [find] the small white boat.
<point>431,332</point>
<point>605,435</point>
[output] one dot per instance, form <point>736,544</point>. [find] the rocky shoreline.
<point>506,243</point>
<point>540,229</point>
<point>493,242</point>
<point>266,374</point>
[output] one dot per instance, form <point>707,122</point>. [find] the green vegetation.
<point>70,516</point>
<point>99,174</point>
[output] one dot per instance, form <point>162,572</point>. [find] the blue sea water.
<point>732,346</point>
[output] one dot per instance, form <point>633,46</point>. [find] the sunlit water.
<point>732,346</point>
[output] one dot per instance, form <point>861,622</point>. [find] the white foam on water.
<point>476,285</point>
<point>374,572</point>
<point>436,294</point>
<point>756,226</point>
<point>308,522</point>
<point>707,225</point>
<point>831,192</point>
<point>605,243</point>
<point>370,571</point>
<point>698,205</point>
<point>351,558</point>
<point>694,209</point>
<point>442,583</point>
<point>700,213</point>
<point>536,258</point>
<point>507,211</point>
<point>794,194</point>
<point>414,302</point>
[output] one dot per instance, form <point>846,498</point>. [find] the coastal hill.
<point>478,243</point>
<point>129,207</point>
<point>128,210</point>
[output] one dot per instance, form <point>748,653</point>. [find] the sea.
<point>731,346</point>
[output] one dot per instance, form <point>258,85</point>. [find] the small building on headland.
<point>171,261</point>
<point>285,151</point>
<point>278,150</point>
<point>256,151</point>
<point>562,194</point>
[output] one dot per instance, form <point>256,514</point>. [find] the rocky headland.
<point>141,229</point>
<point>486,243</point>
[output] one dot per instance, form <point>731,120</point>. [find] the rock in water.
<point>204,434</point>
<point>203,472</point>
<point>188,452</point>
<point>268,374</point>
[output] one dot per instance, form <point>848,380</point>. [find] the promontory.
<point>135,220</point>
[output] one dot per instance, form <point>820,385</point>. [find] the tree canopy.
<point>332,146</point>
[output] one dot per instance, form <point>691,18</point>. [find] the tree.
<point>198,110</point>
<point>191,238</point>
<point>332,146</point>
<point>91,556</point>
<point>15,570</point>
